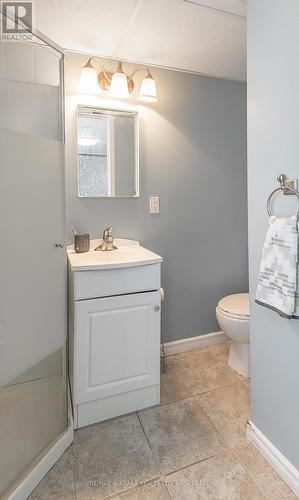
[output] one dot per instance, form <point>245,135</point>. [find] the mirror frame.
<point>110,111</point>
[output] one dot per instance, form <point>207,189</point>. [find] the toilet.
<point>232,313</point>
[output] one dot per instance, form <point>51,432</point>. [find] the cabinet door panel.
<point>117,345</point>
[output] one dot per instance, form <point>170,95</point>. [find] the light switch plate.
<point>154,203</point>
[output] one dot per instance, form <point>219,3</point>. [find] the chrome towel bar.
<point>282,178</point>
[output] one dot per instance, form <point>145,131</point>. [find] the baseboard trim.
<point>279,462</point>
<point>194,343</point>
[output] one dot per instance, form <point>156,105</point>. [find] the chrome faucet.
<point>108,240</point>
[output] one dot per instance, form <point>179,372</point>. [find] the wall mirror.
<point>108,153</point>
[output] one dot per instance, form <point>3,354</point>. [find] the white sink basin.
<point>128,254</point>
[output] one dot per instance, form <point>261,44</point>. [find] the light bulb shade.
<point>148,90</point>
<point>88,81</point>
<point>119,86</point>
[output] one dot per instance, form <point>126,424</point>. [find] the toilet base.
<point>239,358</point>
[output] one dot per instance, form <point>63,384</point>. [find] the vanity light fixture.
<point>118,84</point>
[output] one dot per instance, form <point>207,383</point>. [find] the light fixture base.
<point>130,85</point>
<point>103,80</point>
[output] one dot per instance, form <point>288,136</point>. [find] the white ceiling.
<point>204,36</point>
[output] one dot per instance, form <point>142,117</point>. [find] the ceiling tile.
<point>181,35</point>
<point>171,33</point>
<point>84,25</point>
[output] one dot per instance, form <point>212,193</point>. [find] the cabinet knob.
<point>59,244</point>
<point>157,308</point>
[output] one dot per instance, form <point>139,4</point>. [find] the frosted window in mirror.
<point>107,153</point>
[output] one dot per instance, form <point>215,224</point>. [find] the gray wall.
<point>193,155</point>
<point>273,147</point>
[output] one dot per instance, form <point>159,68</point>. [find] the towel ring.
<point>281,188</point>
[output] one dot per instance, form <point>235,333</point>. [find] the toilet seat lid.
<point>236,304</point>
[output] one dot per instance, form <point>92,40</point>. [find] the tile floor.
<point>192,446</point>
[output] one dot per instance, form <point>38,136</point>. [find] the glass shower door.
<point>33,307</point>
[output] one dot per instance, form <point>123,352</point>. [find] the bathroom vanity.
<point>114,338</point>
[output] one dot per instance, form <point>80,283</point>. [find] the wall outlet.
<point>154,203</point>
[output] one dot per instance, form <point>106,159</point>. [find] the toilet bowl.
<point>232,313</point>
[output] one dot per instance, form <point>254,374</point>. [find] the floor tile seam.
<point>214,425</point>
<point>96,477</point>
<point>182,353</point>
<point>165,484</point>
<point>214,361</point>
<point>223,452</point>
<point>248,472</point>
<point>188,397</point>
<point>197,461</point>
<point>102,422</point>
<point>229,446</point>
<point>171,402</point>
<point>219,388</point>
<point>229,450</point>
<point>202,349</point>
<point>73,470</point>
<point>160,478</point>
<point>131,488</point>
<point>73,482</point>
<point>144,410</point>
<point>193,395</point>
<point>248,388</point>
<point>251,475</point>
<point>205,413</point>
<point>216,389</point>
<point>123,490</point>
<point>149,444</point>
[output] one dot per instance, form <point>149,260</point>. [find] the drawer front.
<point>109,282</point>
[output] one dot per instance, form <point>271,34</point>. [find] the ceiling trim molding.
<point>35,32</point>
<point>220,11</point>
<point>152,65</point>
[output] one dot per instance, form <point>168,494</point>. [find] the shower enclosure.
<point>34,421</point>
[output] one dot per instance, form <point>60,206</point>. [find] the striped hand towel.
<point>278,285</point>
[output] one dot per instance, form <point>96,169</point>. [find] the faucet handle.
<point>107,243</point>
<point>107,234</point>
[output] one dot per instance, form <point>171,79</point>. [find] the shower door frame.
<point>28,482</point>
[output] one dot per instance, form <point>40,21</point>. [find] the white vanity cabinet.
<point>114,332</point>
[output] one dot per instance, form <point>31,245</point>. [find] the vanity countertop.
<point>128,254</point>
